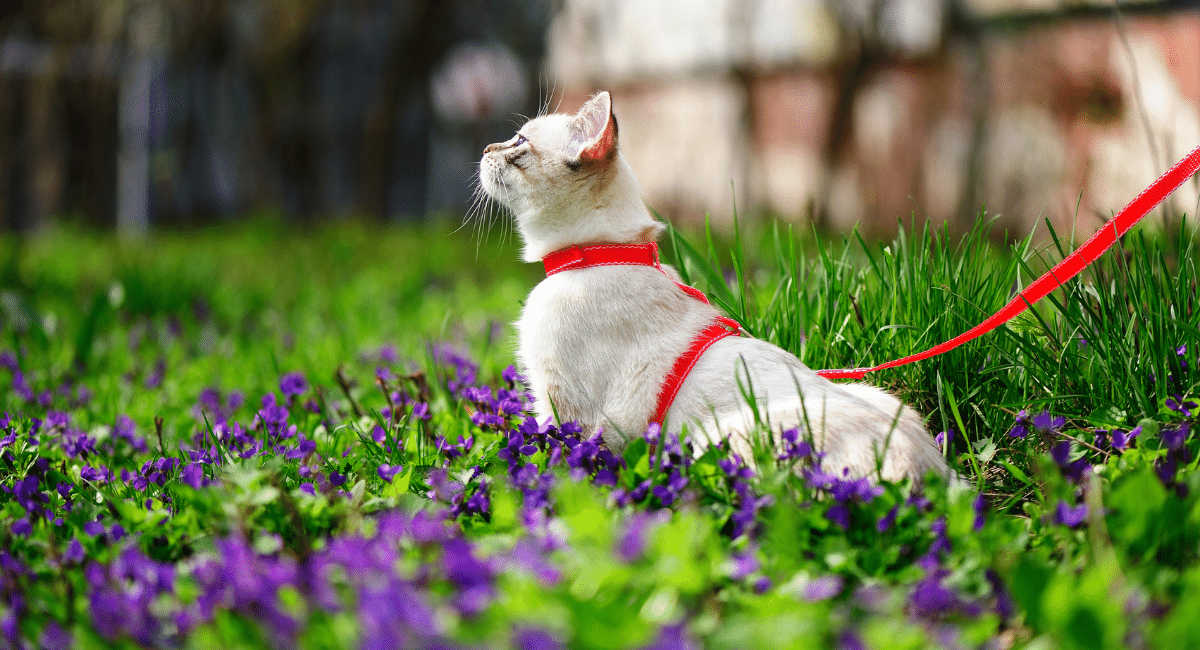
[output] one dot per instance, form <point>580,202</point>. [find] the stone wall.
<point>866,112</point>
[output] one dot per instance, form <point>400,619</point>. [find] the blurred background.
<point>135,114</point>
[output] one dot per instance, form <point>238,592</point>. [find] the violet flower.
<point>743,564</point>
<point>840,515</point>
<point>535,639</point>
<point>823,588</point>
<point>1043,423</point>
<point>792,448</point>
<point>293,384</point>
<point>1073,471</point>
<point>979,505</point>
<point>1070,516</point>
<point>1121,439</point>
<point>1173,437</point>
<point>388,472</point>
<point>193,476</point>
<point>886,522</point>
<point>634,535</point>
<point>930,599</point>
<point>1179,405</point>
<point>74,553</point>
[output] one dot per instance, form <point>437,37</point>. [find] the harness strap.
<point>582,257</point>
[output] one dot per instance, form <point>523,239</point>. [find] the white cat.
<point>597,343</point>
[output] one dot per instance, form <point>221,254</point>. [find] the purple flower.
<point>57,419</point>
<point>1166,468</point>
<point>849,640</point>
<point>1043,423</point>
<point>303,449</point>
<point>653,433</point>
<point>388,354</point>
<point>944,438</point>
<point>535,639</point>
<point>673,637</point>
<point>840,515</point>
<point>93,528</point>
<point>1121,439</point>
<point>1070,516</point>
<point>734,468</point>
<point>743,564</point>
<point>667,494</point>
<point>823,588</point>
<point>210,400</point>
<point>527,555</point>
<point>1005,606</point>
<point>465,370</point>
<point>1072,471</point>
<point>293,384</point>
<point>979,505</point>
<point>388,472</point>
<point>193,476</point>
<point>931,599</point>
<point>21,387</point>
<point>100,474</point>
<point>74,553</point>
<point>511,377</point>
<point>888,520</point>
<point>54,637</point>
<point>155,378</point>
<point>1181,406</point>
<point>22,527</point>
<point>1021,428</point>
<point>1174,436</point>
<point>793,448</point>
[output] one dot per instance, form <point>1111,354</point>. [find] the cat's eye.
<point>520,140</point>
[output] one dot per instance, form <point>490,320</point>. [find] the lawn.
<point>254,437</point>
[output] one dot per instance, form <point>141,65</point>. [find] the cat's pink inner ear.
<point>599,128</point>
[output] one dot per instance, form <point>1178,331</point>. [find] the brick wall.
<point>868,112</point>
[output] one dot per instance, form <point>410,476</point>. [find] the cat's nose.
<point>492,147</point>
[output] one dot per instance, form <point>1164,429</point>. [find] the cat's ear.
<point>597,129</point>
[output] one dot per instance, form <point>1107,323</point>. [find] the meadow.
<point>254,437</point>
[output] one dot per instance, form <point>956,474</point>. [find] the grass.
<point>253,437</point>
<point>1102,351</point>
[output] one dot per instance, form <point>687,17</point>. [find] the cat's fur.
<point>597,343</point>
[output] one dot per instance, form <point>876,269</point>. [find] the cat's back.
<point>610,299</point>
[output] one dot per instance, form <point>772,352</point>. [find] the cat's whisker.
<point>559,104</point>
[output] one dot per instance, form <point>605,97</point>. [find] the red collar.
<point>582,257</point>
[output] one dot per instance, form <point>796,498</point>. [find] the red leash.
<point>1063,271</point>
<point>582,257</point>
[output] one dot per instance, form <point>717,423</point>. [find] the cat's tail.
<point>871,434</point>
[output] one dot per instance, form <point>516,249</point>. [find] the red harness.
<point>582,257</point>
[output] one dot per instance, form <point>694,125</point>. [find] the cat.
<point>596,344</point>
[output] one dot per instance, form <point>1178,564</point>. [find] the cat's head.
<point>565,182</point>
